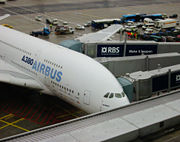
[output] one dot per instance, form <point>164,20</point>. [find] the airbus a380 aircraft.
<point>52,69</point>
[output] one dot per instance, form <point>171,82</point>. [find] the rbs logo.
<point>110,50</point>
<point>177,77</point>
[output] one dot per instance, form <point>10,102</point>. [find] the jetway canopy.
<point>102,35</point>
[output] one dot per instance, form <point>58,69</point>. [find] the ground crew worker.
<point>135,35</point>
<point>132,34</point>
<point>51,26</point>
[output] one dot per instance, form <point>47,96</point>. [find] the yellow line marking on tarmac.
<point>3,127</point>
<point>12,124</point>
<point>61,116</point>
<point>7,116</point>
<point>73,114</point>
<point>21,119</point>
<point>69,113</point>
<point>10,116</point>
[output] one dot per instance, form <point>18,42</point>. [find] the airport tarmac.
<point>21,110</point>
<point>25,21</point>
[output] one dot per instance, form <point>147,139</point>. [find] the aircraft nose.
<point>114,100</point>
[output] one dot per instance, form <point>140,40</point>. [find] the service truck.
<point>2,1</point>
<point>165,24</point>
<point>44,32</point>
<point>64,30</point>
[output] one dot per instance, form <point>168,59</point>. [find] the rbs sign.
<point>114,50</point>
<point>109,50</point>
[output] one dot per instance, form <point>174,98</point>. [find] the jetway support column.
<point>169,80</point>
<point>147,63</point>
<point>125,45</point>
<point>137,90</point>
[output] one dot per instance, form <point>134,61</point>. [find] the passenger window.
<point>111,95</point>
<point>106,96</point>
<point>118,95</point>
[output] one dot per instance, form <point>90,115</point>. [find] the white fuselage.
<point>72,76</point>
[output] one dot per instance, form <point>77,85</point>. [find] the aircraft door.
<point>86,98</point>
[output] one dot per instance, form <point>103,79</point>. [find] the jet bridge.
<point>121,65</point>
<point>125,124</point>
<point>154,82</point>
<point>101,35</point>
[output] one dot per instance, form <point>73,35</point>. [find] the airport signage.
<point>109,50</point>
<point>175,79</point>
<point>115,50</point>
<point>134,50</point>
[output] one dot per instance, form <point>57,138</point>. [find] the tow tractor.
<point>44,32</point>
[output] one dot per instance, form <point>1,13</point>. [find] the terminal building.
<point>100,44</point>
<point>152,72</point>
<point>149,65</point>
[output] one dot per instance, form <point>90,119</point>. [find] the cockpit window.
<point>123,94</point>
<point>111,95</point>
<point>118,95</point>
<point>106,96</point>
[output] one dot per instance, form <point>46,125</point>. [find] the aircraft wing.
<point>11,75</point>
<point>101,35</point>
<point>4,16</point>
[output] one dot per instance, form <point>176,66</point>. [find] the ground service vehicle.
<point>132,17</point>
<point>55,21</point>
<point>104,23</point>
<point>64,30</point>
<point>152,16</point>
<point>6,25</point>
<point>44,32</point>
<point>38,18</point>
<point>167,23</point>
<point>79,27</point>
<point>2,1</point>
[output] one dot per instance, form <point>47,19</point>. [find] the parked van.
<point>167,23</point>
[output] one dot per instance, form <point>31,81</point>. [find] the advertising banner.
<point>115,50</point>
<point>134,50</point>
